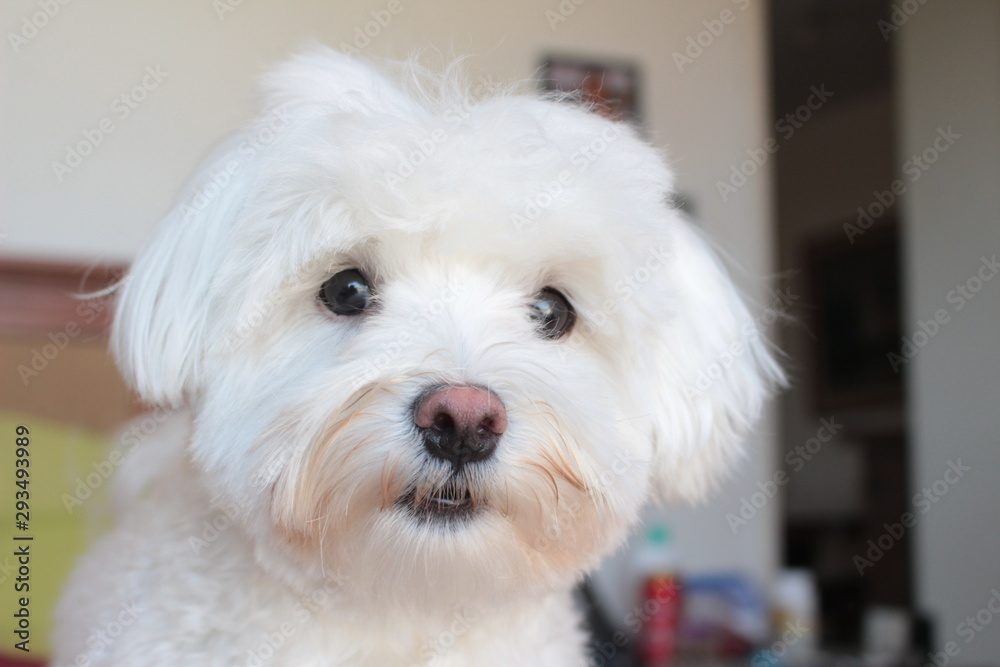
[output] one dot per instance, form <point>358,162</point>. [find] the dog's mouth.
<point>442,505</point>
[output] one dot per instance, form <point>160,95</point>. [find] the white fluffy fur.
<point>270,527</point>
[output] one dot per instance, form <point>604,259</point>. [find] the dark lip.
<point>444,506</point>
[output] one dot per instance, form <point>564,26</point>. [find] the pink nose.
<point>460,424</point>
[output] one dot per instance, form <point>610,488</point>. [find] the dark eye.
<point>552,313</point>
<point>346,293</point>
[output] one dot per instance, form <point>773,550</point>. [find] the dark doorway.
<point>837,188</point>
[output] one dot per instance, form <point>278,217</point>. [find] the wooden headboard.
<point>39,297</point>
<point>53,343</point>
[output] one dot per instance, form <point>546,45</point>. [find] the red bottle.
<point>660,600</point>
<point>662,610</point>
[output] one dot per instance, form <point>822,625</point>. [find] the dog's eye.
<point>552,313</point>
<point>346,293</point>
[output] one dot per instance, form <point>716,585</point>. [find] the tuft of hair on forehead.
<point>324,80</point>
<point>439,82</point>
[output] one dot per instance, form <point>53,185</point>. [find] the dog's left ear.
<point>711,367</point>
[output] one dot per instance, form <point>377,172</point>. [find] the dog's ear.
<point>164,323</point>
<point>163,314</point>
<point>711,365</point>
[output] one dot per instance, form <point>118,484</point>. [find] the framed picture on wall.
<point>612,88</point>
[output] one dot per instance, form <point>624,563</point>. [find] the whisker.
<point>548,474</point>
<point>388,481</point>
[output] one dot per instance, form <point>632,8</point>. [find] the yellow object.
<point>67,481</point>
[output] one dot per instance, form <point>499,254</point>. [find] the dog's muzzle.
<point>462,426</point>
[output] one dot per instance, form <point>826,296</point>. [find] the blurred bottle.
<point>796,615</point>
<point>655,561</point>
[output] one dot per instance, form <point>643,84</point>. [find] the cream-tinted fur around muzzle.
<point>292,511</point>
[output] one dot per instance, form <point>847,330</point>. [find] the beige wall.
<point>64,80</point>
<point>949,64</point>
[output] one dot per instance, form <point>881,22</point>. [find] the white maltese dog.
<point>432,355</point>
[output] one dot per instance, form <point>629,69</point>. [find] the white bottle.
<point>796,615</point>
<point>655,555</point>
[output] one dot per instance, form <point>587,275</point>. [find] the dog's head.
<point>428,335</point>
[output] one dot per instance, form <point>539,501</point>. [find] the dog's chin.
<point>468,537</point>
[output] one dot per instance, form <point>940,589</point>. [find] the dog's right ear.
<point>163,314</point>
<point>164,321</point>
